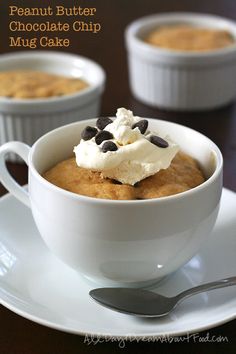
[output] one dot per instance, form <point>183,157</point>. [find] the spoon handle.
<point>207,287</point>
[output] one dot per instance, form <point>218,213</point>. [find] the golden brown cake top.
<point>25,84</point>
<point>182,175</point>
<point>189,38</point>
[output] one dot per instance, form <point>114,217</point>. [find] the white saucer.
<point>36,285</point>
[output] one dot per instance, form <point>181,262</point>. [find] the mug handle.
<point>7,180</point>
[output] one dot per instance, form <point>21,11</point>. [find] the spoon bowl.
<point>145,303</point>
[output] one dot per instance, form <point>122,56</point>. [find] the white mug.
<point>115,242</point>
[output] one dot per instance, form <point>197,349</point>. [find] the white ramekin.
<point>181,80</point>
<point>26,120</point>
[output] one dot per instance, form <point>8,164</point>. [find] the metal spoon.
<point>146,303</point>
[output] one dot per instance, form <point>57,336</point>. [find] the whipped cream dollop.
<point>124,149</point>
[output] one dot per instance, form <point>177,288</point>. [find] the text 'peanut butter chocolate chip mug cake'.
<point>121,159</point>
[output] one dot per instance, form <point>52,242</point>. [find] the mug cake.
<point>24,84</point>
<point>119,242</point>
<point>43,90</point>
<point>189,38</point>
<point>121,159</point>
<point>182,61</point>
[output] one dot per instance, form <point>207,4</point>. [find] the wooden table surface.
<point>21,336</point>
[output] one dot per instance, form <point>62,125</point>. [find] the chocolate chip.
<point>109,146</point>
<point>114,181</point>
<point>156,140</point>
<point>142,125</point>
<point>102,122</point>
<point>137,184</point>
<point>103,135</point>
<point>88,133</point>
